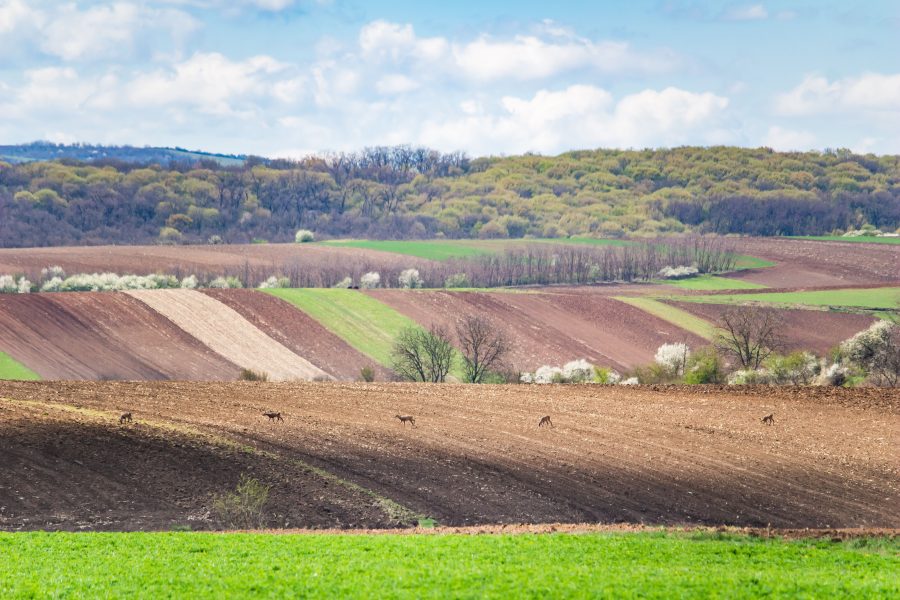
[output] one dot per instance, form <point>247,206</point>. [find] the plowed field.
<point>102,336</point>
<point>551,328</point>
<point>668,455</point>
<point>229,334</point>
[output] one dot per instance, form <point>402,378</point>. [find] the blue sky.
<point>293,77</point>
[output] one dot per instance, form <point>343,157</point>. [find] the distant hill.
<point>40,151</point>
<point>406,192</point>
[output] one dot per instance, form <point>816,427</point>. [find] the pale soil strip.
<point>229,334</point>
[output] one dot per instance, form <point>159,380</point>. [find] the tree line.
<point>407,192</point>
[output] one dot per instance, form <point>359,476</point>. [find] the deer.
<point>273,416</point>
<point>545,421</point>
<point>769,419</point>
<point>406,419</point>
<point>125,418</point>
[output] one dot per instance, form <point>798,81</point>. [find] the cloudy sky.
<point>291,77</point>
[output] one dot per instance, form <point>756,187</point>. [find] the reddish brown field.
<point>815,330</point>
<point>550,328</point>
<point>807,263</point>
<point>658,456</point>
<point>102,336</point>
<point>299,332</point>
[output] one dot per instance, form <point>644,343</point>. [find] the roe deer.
<point>273,416</point>
<point>405,419</point>
<point>545,421</point>
<point>769,419</point>
<point>125,418</point>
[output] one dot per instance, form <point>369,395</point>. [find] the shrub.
<point>876,351</point>
<point>457,280</point>
<point>274,282</point>
<point>226,283</point>
<point>169,235</point>
<point>251,375</point>
<point>303,236</point>
<point>50,272</point>
<point>547,374</point>
<point>410,279</point>
<point>578,371</point>
<point>189,282</point>
<point>655,373</point>
<point>704,366</point>
<point>605,375</point>
<point>214,240</point>
<point>8,284</point>
<point>797,368</point>
<point>677,272</point>
<point>52,285</point>
<point>750,377</point>
<point>835,375</point>
<point>24,286</point>
<point>243,508</point>
<point>630,381</point>
<point>344,283</point>
<point>370,281</point>
<point>673,357</point>
<point>367,374</point>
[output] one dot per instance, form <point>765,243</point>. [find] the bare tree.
<point>420,355</point>
<point>750,334</point>
<point>484,346</point>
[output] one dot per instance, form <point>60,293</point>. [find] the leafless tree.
<point>420,355</point>
<point>483,344</point>
<point>750,334</point>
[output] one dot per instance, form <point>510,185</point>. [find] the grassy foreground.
<point>12,369</point>
<point>657,565</point>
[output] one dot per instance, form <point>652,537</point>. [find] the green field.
<point>366,324</point>
<point>745,262</point>
<point>11,369</point>
<point>441,250</point>
<point>657,565</point>
<point>712,282</point>
<point>840,238</point>
<point>673,315</point>
<point>885,298</point>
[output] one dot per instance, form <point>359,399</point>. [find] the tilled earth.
<point>646,455</point>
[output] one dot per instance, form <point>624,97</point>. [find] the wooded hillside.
<point>407,192</point>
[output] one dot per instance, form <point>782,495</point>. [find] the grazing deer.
<point>769,419</point>
<point>545,421</point>
<point>405,419</point>
<point>125,418</point>
<point>273,416</point>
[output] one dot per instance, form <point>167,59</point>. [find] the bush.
<point>876,351</point>
<point>410,279</point>
<point>48,273</point>
<point>578,371</point>
<point>303,236</point>
<point>797,368</point>
<point>630,381</point>
<point>750,377</point>
<point>606,376</point>
<point>458,280</point>
<point>251,375</point>
<point>189,282</point>
<point>274,282</point>
<point>367,374</point>
<point>243,508</point>
<point>673,357</point>
<point>835,375</point>
<point>226,283</point>
<point>370,281</point>
<point>704,366</point>
<point>677,272</point>
<point>344,283</point>
<point>214,240</point>
<point>8,284</point>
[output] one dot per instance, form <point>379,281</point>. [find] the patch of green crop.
<point>655,565</point>
<point>713,282</point>
<point>886,298</point>
<point>12,369</point>
<point>745,261</point>
<point>363,322</point>
<point>840,238</point>
<point>672,314</point>
<point>442,250</point>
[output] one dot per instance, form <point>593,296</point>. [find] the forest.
<point>404,192</point>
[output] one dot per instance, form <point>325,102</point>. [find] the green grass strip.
<point>886,298</point>
<point>673,315</point>
<point>712,282</point>
<point>12,369</point>
<point>441,250</point>
<point>646,565</point>
<point>365,323</point>
<point>839,238</point>
<point>745,261</point>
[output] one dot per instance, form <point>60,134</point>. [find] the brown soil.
<point>550,328</point>
<point>102,336</point>
<point>226,332</point>
<point>815,330</point>
<point>806,263</point>
<point>299,332</point>
<point>654,455</point>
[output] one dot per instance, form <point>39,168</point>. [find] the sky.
<point>288,78</point>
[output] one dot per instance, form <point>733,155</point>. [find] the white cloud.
<point>395,83</point>
<point>584,116</point>
<point>382,40</point>
<point>817,95</point>
<point>782,139</point>
<point>754,12</point>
